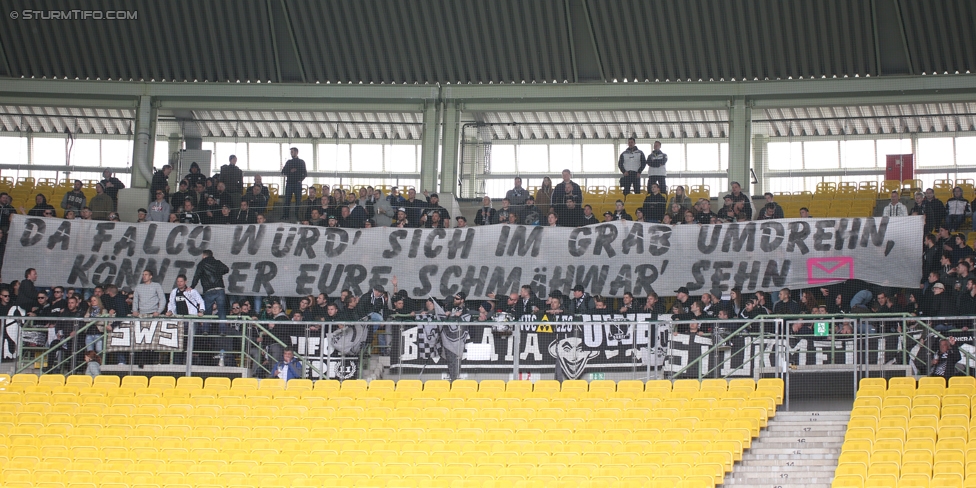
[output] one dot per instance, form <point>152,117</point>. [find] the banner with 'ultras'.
<point>607,259</point>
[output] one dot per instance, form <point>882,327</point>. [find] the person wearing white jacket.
<point>184,300</point>
<point>631,165</point>
<point>895,208</point>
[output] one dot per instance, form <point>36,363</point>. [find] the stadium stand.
<point>909,434</point>
<point>157,432</point>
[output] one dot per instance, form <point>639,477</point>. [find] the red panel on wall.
<point>900,167</point>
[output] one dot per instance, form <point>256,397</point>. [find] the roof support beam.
<point>449,149</point>
<point>740,140</point>
<point>509,97</point>
<point>429,149</point>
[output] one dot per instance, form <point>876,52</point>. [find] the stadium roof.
<point>499,41</point>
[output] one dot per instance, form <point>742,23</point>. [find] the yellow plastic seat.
<point>189,383</point>
<point>244,384</point>
<point>299,384</point>
<point>217,383</point>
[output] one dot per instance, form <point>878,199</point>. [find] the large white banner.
<point>607,259</point>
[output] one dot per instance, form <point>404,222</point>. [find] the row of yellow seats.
<point>928,422</point>
<point>733,441</point>
<point>750,421</point>
<point>74,394</point>
<point>388,481</point>
<point>310,400</point>
<point>558,425</point>
<point>936,401</point>
<point>907,481</point>
<point>67,403</point>
<point>485,385</point>
<point>853,465</point>
<point>512,462</point>
<point>912,383</point>
<point>725,453</point>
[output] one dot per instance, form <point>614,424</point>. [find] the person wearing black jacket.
<point>244,215</point>
<point>195,177</point>
<point>655,204</point>
<point>69,329</point>
<point>569,214</point>
<point>27,295</point>
<point>935,211</point>
<point>528,303</point>
<point>210,274</point>
<point>580,303</point>
<point>414,208</point>
<point>177,198</point>
<point>6,211</point>
<point>295,173</point>
<point>944,360</point>
<point>112,185</point>
<point>160,182</point>
<point>233,180</point>
<point>374,305</point>
<point>256,200</point>
<point>40,206</point>
<point>486,214</point>
<point>566,189</point>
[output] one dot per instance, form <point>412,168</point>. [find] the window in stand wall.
<point>562,156</point>
<point>117,153</point>
<point>49,151</point>
<point>597,158</point>
<point>502,159</point>
<point>160,153</point>
<point>367,158</point>
<point>334,157</point>
<point>820,155</point>
<point>400,158</point>
<point>935,151</point>
<point>858,154</point>
<point>533,158</point>
<point>223,151</point>
<point>86,152</point>
<point>785,156</point>
<point>265,157</point>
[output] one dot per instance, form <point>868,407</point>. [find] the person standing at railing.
<point>280,329</point>
<point>210,274</point>
<point>94,336</point>
<point>185,301</point>
<point>148,300</point>
<point>27,295</point>
<point>68,329</point>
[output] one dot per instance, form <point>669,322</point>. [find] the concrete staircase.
<point>796,450</point>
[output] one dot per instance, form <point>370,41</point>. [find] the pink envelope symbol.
<point>827,270</point>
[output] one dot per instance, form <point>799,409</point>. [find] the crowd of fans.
<point>948,287</point>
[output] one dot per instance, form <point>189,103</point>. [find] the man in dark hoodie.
<point>41,207</point>
<point>160,182</point>
<point>195,176</point>
<point>295,173</point>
